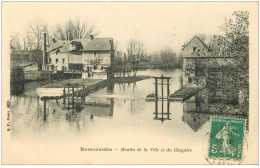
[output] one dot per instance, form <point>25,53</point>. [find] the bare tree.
<point>76,29</point>
<point>136,54</point>
<point>15,43</point>
<point>34,35</point>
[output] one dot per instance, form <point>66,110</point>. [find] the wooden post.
<point>64,93</point>
<point>124,64</point>
<point>168,88</point>
<point>168,109</point>
<point>156,89</point>
<point>83,95</point>
<point>77,93</point>
<point>72,96</point>
<point>162,96</point>
<point>44,110</point>
<point>156,108</point>
<point>68,96</point>
<point>111,107</point>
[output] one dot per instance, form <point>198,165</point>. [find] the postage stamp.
<point>226,138</point>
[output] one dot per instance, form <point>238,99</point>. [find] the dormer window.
<point>77,46</point>
<point>57,51</point>
<point>194,49</point>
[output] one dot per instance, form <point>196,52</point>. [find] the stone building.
<point>80,55</point>
<point>217,73</point>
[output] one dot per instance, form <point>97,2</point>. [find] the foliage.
<point>235,44</point>
<point>96,61</point>
<point>166,58</point>
<point>236,41</point>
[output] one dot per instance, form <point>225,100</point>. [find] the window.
<point>64,68</point>
<point>189,79</point>
<point>194,49</point>
<point>95,53</point>
<point>57,51</point>
<point>63,60</point>
<point>57,60</point>
<point>50,60</point>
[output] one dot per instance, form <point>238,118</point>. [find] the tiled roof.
<point>24,64</point>
<point>199,40</point>
<point>96,44</point>
<point>62,45</point>
<point>66,46</point>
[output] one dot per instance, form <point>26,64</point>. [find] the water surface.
<point>115,114</point>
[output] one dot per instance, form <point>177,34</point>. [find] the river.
<point>115,117</point>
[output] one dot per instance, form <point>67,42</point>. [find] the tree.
<point>234,46</point>
<point>15,43</point>
<point>236,41</point>
<point>168,57</point>
<point>136,54</point>
<point>33,36</point>
<point>96,61</point>
<point>76,29</point>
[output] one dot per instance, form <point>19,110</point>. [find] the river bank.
<point>54,89</point>
<point>88,82</point>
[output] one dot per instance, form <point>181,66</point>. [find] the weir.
<point>185,92</point>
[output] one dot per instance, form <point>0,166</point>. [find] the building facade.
<point>217,73</point>
<point>82,55</point>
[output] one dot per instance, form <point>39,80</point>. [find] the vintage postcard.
<point>130,83</point>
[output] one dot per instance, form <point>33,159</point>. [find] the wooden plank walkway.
<point>185,92</point>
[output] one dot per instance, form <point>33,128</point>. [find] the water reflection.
<point>162,110</point>
<point>17,88</point>
<point>198,109</point>
<point>113,111</point>
<point>201,103</point>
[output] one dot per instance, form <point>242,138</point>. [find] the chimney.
<point>44,49</point>
<point>91,37</point>
<point>112,57</point>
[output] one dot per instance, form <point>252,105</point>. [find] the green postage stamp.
<point>226,138</point>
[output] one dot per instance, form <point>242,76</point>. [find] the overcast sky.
<point>156,24</point>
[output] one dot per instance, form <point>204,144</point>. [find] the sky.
<point>156,24</point>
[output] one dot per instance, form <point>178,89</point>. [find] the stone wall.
<point>217,74</point>
<point>33,67</point>
<point>36,75</point>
